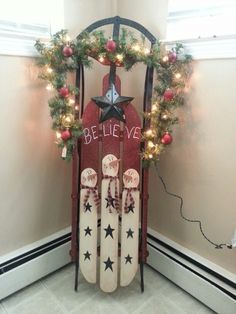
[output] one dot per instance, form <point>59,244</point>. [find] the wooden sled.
<point>107,183</point>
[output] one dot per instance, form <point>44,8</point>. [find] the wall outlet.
<point>233,241</point>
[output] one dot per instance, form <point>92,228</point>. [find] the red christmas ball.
<point>110,45</point>
<point>168,95</point>
<point>166,138</point>
<point>65,135</point>
<point>64,91</point>
<point>172,57</point>
<point>67,51</point>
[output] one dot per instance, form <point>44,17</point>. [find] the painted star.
<point>130,208</point>
<point>128,259</point>
<point>88,207</point>
<point>87,255</point>
<point>109,231</point>
<point>108,264</point>
<point>109,104</point>
<point>110,201</point>
<point>129,233</point>
<point>87,231</point>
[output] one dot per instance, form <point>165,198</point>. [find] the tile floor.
<point>54,294</point>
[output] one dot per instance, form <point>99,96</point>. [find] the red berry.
<point>64,91</point>
<point>168,95</point>
<point>172,57</point>
<point>166,138</point>
<point>67,51</point>
<point>110,45</point>
<point>65,135</point>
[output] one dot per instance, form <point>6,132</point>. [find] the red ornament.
<point>65,135</point>
<point>67,51</point>
<point>110,45</point>
<point>166,138</point>
<point>172,57</point>
<point>64,91</point>
<point>168,95</point>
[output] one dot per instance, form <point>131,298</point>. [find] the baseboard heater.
<point>27,265</point>
<point>201,281</point>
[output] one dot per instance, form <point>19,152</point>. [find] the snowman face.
<point>110,165</point>
<point>131,178</point>
<point>89,177</point>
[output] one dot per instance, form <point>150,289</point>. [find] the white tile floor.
<point>55,295</point>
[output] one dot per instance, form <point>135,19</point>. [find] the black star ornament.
<point>129,233</point>
<point>130,208</point>
<point>109,231</point>
<point>87,255</point>
<point>110,104</point>
<point>128,259</point>
<point>88,231</point>
<point>110,201</point>
<point>108,264</point>
<point>88,207</point>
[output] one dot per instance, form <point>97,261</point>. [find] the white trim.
<point>35,269</point>
<point>223,47</point>
<point>189,281</point>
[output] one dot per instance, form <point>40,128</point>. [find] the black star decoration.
<point>109,231</point>
<point>109,104</point>
<point>128,259</point>
<point>108,264</point>
<point>87,231</point>
<point>88,207</point>
<point>129,233</point>
<point>130,208</point>
<point>110,201</point>
<point>87,255</point>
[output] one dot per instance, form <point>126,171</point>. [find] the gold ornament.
<point>67,120</point>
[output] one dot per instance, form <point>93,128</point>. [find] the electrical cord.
<point>216,245</point>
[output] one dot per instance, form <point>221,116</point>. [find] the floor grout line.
<point>3,307</point>
<point>61,306</point>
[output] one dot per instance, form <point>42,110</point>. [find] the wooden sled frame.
<point>148,85</point>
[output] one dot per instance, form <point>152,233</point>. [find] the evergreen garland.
<point>61,56</point>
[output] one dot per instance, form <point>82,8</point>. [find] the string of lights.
<point>216,245</point>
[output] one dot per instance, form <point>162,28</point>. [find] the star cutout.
<point>110,201</point>
<point>87,255</point>
<point>109,231</point>
<point>129,233</point>
<point>109,104</point>
<point>128,259</point>
<point>108,264</point>
<point>88,207</point>
<point>130,208</point>
<point>87,231</point>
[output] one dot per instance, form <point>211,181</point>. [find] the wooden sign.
<point>110,155</point>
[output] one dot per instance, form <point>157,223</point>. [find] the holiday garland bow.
<point>94,191</point>
<point>109,195</point>
<point>128,197</point>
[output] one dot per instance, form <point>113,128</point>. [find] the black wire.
<point>217,246</point>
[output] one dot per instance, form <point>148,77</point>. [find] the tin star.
<point>110,104</point>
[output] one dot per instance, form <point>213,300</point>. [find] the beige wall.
<point>35,183</point>
<point>200,164</point>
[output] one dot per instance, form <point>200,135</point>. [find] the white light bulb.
<point>165,59</point>
<point>177,76</point>
<point>49,87</point>
<point>58,135</point>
